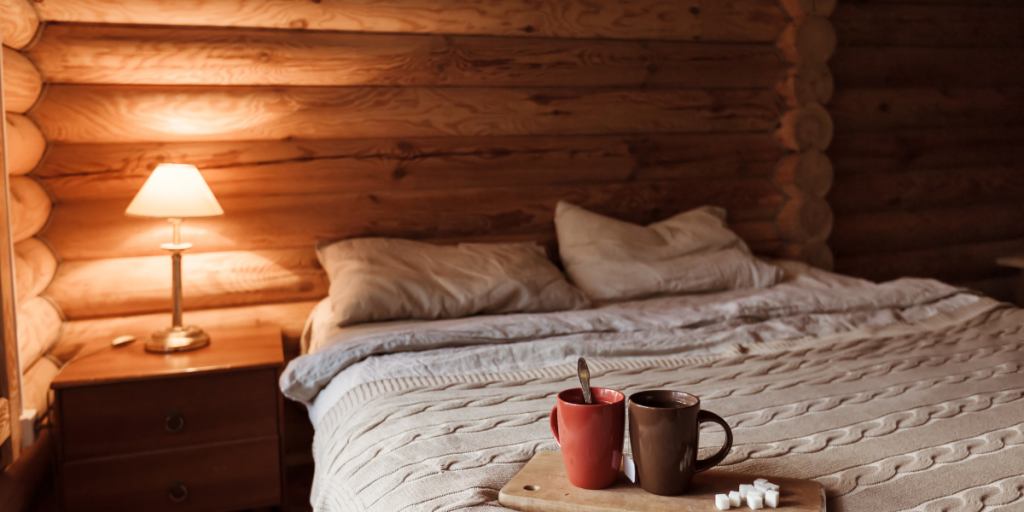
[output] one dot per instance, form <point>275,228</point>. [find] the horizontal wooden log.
<point>935,188</point>
<point>804,174</point>
<point>954,26</point>
<point>100,114</point>
<point>35,265</point>
<point>722,20</point>
<point>804,219</point>
<point>26,145</point>
<point>98,54</point>
<point>929,148</point>
<point>88,172</point>
<point>951,263</point>
<point>801,8</point>
<point>92,230</point>
<point>803,85</point>
<point>5,420</point>
<point>810,40</point>
<point>814,253</point>
<point>891,231</point>
<point>86,333</point>
<point>22,82</point>
<point>805,128</point>
<point>18,22</point>
<point>938,68</point>
<point>899,108</point>
<point>39,326</point>
<point>36,382</point>
<point>124,286</point>
<point>30,207</point>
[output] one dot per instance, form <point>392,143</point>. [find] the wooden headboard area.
<point>438,120</point>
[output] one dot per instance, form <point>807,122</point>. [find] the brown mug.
<point>663,432</point>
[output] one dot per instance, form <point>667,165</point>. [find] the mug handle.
<point>716,459</point>
<point>553,419</point>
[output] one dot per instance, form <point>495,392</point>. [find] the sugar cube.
<point>760,481</point>
<point>755,501</point>
<point>722,502</point>
<point>755,492</point>
<point>766,486</point>
<point>735,499</point>
<point>771,498</point>
<point>744,489</point>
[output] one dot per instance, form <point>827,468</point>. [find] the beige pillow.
<point>613,260</point>
<point>375,279</point>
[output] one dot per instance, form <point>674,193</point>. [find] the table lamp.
<point>175,192</point>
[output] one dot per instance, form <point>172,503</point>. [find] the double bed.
<point>899,396</point>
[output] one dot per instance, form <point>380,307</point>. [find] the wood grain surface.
<point>952,263</point>
<point>805,84</point>
<point>34,267</point>
<point>19,22</point>
<point>22,82</point>
<point>103,54</point>
<point>39,327</point>
<point>722,20</point>
<point>87,230</point>
<point>810,40</point>
<point>943,68</point>
<point>808,127</point>
<point>25,144</point>
<point>92,172</point>
<point>804,218</point>
<point>101,114</point>
<point>925,189</point>
<point>936,26</point>
<point>801,8</point>
<point>815,252</point>
<point>927,148</point>
<point>30,207</point>
<point>888,109</point>
<point>542,486</point>
<point>5,419</point>
<point>805,174</point>
<point>123,286</point>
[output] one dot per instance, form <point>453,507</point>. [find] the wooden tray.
<point>541,486</point>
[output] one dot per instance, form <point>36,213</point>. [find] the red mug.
<point>590,436</point>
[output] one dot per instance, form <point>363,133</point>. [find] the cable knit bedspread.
<point>924,415</point>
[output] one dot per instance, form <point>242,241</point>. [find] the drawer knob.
<point>175,422</point>
<point>177,492</point>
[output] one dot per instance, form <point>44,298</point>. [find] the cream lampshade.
<point>175,192</point>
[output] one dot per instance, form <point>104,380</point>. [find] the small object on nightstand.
<point>200,430</point>
<point>175,192</point>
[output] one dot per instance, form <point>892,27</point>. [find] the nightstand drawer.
<point>226,476</point>
<point>150,415</point>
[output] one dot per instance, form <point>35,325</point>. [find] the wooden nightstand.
<point>192,431</point>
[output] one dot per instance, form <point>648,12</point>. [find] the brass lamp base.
<point>177,339</point>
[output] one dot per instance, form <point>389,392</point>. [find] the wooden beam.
<point>892,231</point>
<point>933,188</point>
<point>88,172</point>
<point>810,40</point>
<point>22,82</point>
<point>5,420</point>
<point>35,265</point>
<point>25,143</point>
<point>804,219</point>
<point>801,8</point>
<point>291,317</point>
<point>39,326</point>
<point>30,207</point>
<point>805,84</point>
<point>939,68</point>
<point>953,26</point>
<point>804,174</point>
<point>965,262</point>
<point>927,148</point>
<point>814,252</point>
<point>900,108</point>
<point>18,22</point>
<point>102,114</point>
<point>805,128</point>
<point>89,230</point>
<point>125,286</point>
<point>689,20</point>
<point>102,54</point>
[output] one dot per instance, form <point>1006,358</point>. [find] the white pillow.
<point>613,260</point>
<point>375,279</point>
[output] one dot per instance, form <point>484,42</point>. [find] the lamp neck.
<point>177,230</point>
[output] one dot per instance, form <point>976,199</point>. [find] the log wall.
<point>929,140</point>
<point>441,121</point>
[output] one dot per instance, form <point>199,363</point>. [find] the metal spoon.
<point>584,374</point>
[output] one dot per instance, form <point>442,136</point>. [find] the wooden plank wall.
<point>435,120</point>
<point>929,140</point>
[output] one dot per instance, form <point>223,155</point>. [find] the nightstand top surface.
<point>230,349</point>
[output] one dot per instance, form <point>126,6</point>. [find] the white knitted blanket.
<point>924,417</point>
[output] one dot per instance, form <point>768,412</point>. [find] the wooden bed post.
<point>804,175</point>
